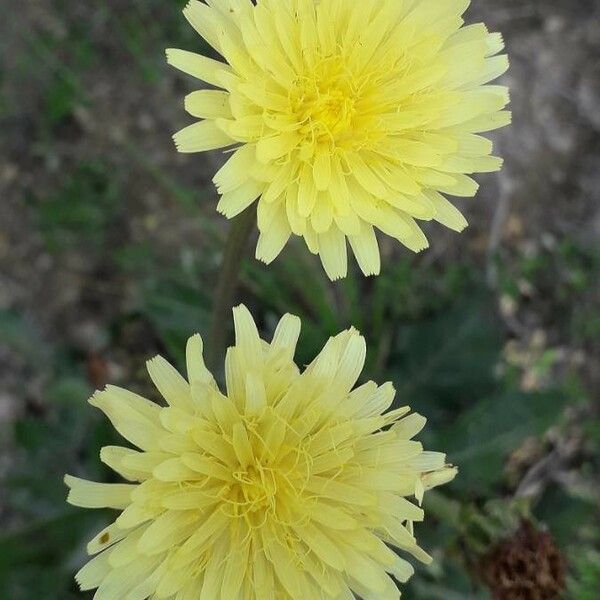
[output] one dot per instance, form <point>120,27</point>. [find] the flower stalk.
<point>227,285</point>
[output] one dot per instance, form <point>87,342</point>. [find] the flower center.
<point>257,488</point>
<point>266,486</point>
<point>325,101</point>
<point>331,112</point>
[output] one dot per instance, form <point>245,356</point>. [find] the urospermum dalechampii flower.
<point>347,115</point>
<point>292,485</point>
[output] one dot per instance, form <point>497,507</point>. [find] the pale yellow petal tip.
<point>419,245</point>
<point>243,320</point>
<point>372,271</point>
<point>336,276</point>
<point>290,319</point>
<point>195,343</point>
<point>189,6</point>
<point>200,137</point>
<point>177,141</point>
<point>222,210</point>
<point>461,225</point>
<point>335,271</point>
<point>440,477</point>
<point>194,356</point>
<point>96,399</point>
<point>188,104</point>
<point>263,258</point>
<point>241,309</point>
<point>352,331</point>
<point>390,388</point>
<point>71,482</point>
<point>265,252</point>
<point>287,333</point>
<point>153,362</point>
<point>82,579</point>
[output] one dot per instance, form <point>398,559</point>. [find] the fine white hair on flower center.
<point>344,117</point>
<point>289,485</point>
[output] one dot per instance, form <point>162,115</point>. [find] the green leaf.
<point>446,362</point>
<point>480,439</point>
<point>32,558</point>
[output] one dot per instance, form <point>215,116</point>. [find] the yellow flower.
<point>291,485</point>
<point>345,116</point>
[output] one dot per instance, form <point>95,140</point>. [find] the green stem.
<point>235,248</point>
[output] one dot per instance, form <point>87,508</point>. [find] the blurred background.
<point>109,251</point>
